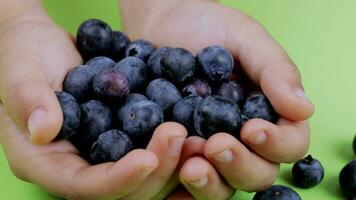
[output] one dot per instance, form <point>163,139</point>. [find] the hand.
<point>196,24</point>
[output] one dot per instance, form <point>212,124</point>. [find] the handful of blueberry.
<point>125,89</point>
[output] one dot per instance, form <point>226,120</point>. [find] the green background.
<point>319,35</point>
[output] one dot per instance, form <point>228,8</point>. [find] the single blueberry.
<point>136,71</point>
<point>94,38</point>
<point>100,63</point>
<point>183,112</point>
<point>79,83</point>
<point>217,114</point>
<point>110,146</point>
<point>164,93</point>
<point>277,192</point>
<point>178,65</point>
<point>258,106</point>
<point>232,91</point>
<point>141,49</point>
<point>307,172</point>
<point>71,115</point>
<point>120,42</point>
<point>216,63</point>
<point>347,180</point>
<point>197,87</point>
<point>111,85</point>
<point>131,99</point>
<point>154,62</point>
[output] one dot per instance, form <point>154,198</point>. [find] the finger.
<point>28,98</point>
<point>285,142</point>
<point>201,179</point>
<point>241,168</point>
<point>167,143</point>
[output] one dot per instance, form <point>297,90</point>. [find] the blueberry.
<point>183,111</point>
<point>154,62</point>
<point>216,114</point>
<point>141,49</point>
<point>307,172</point>
<point>71,115</point>
<point>131,99</point>
<point>216,63</point>
<point>110,147</point>
<point>258,106</point>
<point>94,38</point>
<point>354,145</point>
<point>142,118</point>
<point>120,42</point>
<point>100,63</point>
<point>197,87</point>
<point>164,93</point>
<point>79,82</point>
<point>178,65</point>
<point>232,91</point>
<point>347,180</point>
<point>244,119</point>
<point>277,192</point>
<point>135,69</point>
<point>96,118</point>
<point>111,85</point>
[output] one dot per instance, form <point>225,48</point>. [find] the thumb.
<point>29,99</point>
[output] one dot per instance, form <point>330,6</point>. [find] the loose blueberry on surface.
<point>216,114</point>
<point>135,69</point>
<point>154,62</point>
<point>216,63</point>
<point>347,180</point>
<point>277,192</point>
<point>258,106</point>
<point>164,93</point>
<point>94,38</point>
<point>111,85</point>
<point>100,63</point>
<point>71,115</point>
<point>178,65</point>
<point>141,49</point>
<point>307,172</point>
<point>232,91</point>
<point>79,82</point>
<point>131,99</point>
<point>183,112</point>
<point>120,42</point>
<point>110,146</point>
<point>197,87</point>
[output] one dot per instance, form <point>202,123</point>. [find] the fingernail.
<point>300,93</point>
<point>35,119</point>
<point>258,138</point>
<point>175,145</point>
<point>201,182</point>
<point>224,157</point>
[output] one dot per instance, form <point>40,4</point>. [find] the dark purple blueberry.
<point>71,115</point>
<point>111,85</point>
<point>257,105</point>
<point>307,172</point>
<point>131,99</point>
<point>100,63</point>
<point>79,82</point>
<point>197,87</point>
<point>347,180</point>
<point>178,65</point>
<point>244,119</point>
<point>217,114</point>
<point>216,63</point>
<point>232,91</point>
<point>94,38</point>
<point>164,93</point>
<point>120,42</point>
<point>154,62</point>
<point>141,49</point>
<point>110,147</point>
<point>136,71</point>
<point>183,112</point>
<point>277,192</point>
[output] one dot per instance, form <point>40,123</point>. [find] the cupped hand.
<point>253,163</point>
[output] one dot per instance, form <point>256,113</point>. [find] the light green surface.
<point>319,35</point>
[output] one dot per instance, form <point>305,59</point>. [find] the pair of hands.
<point>35,56</point>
